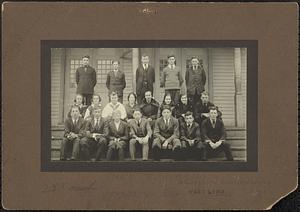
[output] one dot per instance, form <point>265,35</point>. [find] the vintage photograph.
<point>149,104</point>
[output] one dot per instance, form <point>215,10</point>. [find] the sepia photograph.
<point>182,104</point>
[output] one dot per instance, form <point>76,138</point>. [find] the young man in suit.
<point>74,129</point>
<point>86,80</point>
<point>190,136</point>
<point>94,143</point>
<point>113,105</point>
<point>166,135</point>
<point>149,108</point>
<point>213,134</point>
<point>140,133</point>
<point>145,77</point>
<point>118,134</point>
<point>201,109</point>
<point>172,79</point>
<point>195,79</point>
<point>115,81</point>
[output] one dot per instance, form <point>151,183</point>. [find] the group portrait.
<point>148,104</point>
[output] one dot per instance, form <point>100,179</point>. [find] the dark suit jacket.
<point>86,80</point>
<point>213,134</point>
<point>190,133</point>
<point>101,128</point>
<point>163,132</point>
<point>195,80</point>
<point>144,127</point>
<point>150,110</point>
<point>122,132</point>
<point>201,108</point>
<point>182,109</point>
<point>77,129</point>
<point>115,83</point>
<point>141,86</point>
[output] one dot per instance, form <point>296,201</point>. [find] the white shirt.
<point>145,66</point>
<point>75,121</point>
<point>117,124</point>
<point>171,66</point>
<point>167,121</point>
<point>109,108</point>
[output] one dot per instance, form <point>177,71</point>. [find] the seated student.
<point>140,133</point>
<point>190,137</point>
<point>118,135</point>
<point>131,105</point>
<point>74,129</point>
<point>213,134</point>
<point>94,143</point>
<point>96,102</point>
<point>149,108</point>
<point>78,101</point>
<point>201,109</point>
<point>166,135</point>
<point>182,107</point>
<point>112,106</point>
<point>167,101</point>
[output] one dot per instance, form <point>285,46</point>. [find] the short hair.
<point>204,93</point>
<point>137,109</point>
<point>171,55</point>
<point>86,56</point>
<point>194,57</point>
<point>148,92</point>
<point>166,107</point>
<point>212,108</point>
<point>145,55</point>
<point>113,93</point>
<point>188,113</point>
<point>98,97</point>
<point>74,106</point>
<point>131,93</point>
<point>113,61</point>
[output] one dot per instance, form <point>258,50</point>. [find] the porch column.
<point>135,64</point>
<point>238,87</point>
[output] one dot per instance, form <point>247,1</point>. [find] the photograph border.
<point>135,166</point>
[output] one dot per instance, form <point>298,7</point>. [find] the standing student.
<point>195,79</point>
<point>201,109</point>
<point>172,79</point>
<point>115,81</point>
<point>86,80</point>
<point>213,134</point>
<point>118,135</point>
<point>93,144</point>
<point>145,78</point>
<point>74,129</point>
<point>140,133</point>
<point>166,135</point>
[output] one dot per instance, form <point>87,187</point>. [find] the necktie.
<point>194,67</point>
<point>214,123</point>
<point>139,123</point>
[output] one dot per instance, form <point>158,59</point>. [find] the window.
<point>74,65</point>
<point>103,67</point>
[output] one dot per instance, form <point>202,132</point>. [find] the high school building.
<point>226,71</point>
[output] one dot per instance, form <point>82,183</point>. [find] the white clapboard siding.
<point>223,83</point>
<point>244,84</point>
<point>55,85</point>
